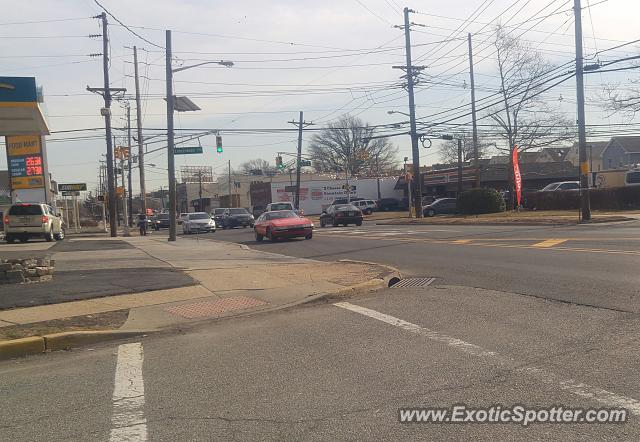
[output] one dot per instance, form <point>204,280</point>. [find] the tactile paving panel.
<point>214,308</point>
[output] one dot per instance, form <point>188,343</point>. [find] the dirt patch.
<point>98,321</point>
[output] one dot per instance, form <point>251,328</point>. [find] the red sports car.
<point>282,224</point>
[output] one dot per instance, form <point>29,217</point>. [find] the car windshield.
<point>238,212</point>
<point>280,206</point>
<point>552,186</point>
<point>25,210</point>
<point>198,216</point>
<point>218,211</point>
<point>163,216</point>
<point>346,207</point>
<point>281,214</point>
<point>633,177</point>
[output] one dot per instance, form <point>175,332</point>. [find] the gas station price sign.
<point>24,156</point>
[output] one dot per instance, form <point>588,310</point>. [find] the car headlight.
<point>306,226</point>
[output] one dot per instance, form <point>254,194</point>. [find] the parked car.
<point>217,215</point>
<point>561,185</point>
<point>285,205</point>
<point>440,206</point>
<point>33,220</point>
<point>341,214</point>
<point>389,204</point>
<point>198,222</point>
<point>632,178</point>
<point>236,218</point>
<point>160,221</point>
<point>367,206</point>
<point>256,211</point>
<point>282,224</point>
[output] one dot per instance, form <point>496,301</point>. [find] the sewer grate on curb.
<point>413,282</point>
<point>214,308</point>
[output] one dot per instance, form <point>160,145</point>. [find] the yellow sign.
<point>120,191</point>
<point>30,182</point>
<point>19,145</point>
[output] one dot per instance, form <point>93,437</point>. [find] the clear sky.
<point>324,58</point>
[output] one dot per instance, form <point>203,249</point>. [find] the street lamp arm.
<point>221,62</point>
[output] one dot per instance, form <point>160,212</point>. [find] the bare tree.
<point>251,167</point>
<point>346,144</point>
<point>449,150</point>
<point>523,118</point>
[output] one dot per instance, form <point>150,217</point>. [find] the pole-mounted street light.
<point>183,105</point>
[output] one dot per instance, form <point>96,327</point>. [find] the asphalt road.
<point>488,331</point>
<point>594,265</point>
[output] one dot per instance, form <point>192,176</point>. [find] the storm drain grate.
<point>213,308</point>
<point>413,282</point>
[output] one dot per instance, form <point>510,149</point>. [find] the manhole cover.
<point>413,282</point>
<point>213,308</point>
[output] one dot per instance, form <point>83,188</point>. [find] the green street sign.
<point>187,150</point>
<point>304,163</point>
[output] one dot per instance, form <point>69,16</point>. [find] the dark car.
<point>257,211</point>
<point>217,215</point>
<point>341,214</point>
<point>441,206</point>
<point>389,204</point>
<point>160,221</point>
<point>236,218</point>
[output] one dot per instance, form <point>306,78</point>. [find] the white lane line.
<point>575,387</point>
<point>128,421</point>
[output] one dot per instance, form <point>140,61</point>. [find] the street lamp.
<point>184,105</point>
<point>391,112</point>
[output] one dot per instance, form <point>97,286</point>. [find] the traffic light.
<point>219,143</point>
<point>279,164</point>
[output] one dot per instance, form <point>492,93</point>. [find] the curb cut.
<point>61,341</point>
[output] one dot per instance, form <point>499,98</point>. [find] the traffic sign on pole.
<point>187,150</point>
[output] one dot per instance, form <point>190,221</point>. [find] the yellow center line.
<point>549,243</point>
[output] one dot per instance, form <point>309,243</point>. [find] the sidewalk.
<point>229,280</point>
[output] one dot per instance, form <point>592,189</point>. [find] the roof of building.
<point>546,170</point>
<point>629,144</point>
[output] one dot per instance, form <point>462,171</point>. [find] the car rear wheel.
<point>359,223</point>
<point>309,236</point>
<point>431,212</point>
<point>59,236</point>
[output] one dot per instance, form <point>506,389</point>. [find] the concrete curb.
<point>461,222</point>
<point>61,341</point>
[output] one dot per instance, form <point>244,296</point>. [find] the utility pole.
<point>130,208</point>
<point>106,112</point>
<point>229,182</point>
<point>412,115</point>
<point>300,124</point>
<point>170,141</point>
<point>115,178</point>
<point>476,156</point>
<point>125,215</point>
<point>378,175</point>
<point>143,188</point>
<point>459,166</point>
<point>585,205</point>
<point>104,202</point>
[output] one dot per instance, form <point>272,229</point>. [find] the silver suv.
<point>31,220</point>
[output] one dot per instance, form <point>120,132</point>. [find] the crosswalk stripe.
<point>128,421</point>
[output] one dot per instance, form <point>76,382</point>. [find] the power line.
<point>127,27</point>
